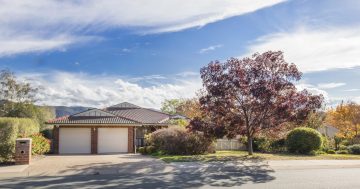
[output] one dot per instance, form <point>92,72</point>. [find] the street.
<point>295,174</point>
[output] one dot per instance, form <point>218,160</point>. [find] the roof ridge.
<point>89,110</point>
<point>158,111</point>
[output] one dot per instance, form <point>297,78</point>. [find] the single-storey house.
<point>115,129</point>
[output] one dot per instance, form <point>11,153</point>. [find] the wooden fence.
<point>232,144</point>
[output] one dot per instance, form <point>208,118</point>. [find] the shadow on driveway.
<point>150,175</point>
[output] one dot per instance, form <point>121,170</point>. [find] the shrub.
<point>10,129</point>
<point>150,149</point>
<point>331,151</point>
<point>40,144</point>
<point>141,150</point>
<point>325,144</point>
<point>342,147</point>
<point>178,141</point>
<point>8,134</point>
<point>27,127</point>
<point>303,140</point>
<point>345,142</point>
<point>278,145</point>
<point>354,149</point>
<point>342,152</point>
<point>316,152</point>
<point>261,145</point>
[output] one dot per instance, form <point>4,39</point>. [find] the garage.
<point>74,141</point>
<point>112,140</point>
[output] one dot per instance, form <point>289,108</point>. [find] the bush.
<point>142,150</point>
<point>40,144</point>
<point>342,152</point>
<point>27,127</point>
<point>342,147</point>
<point>10,129</point>
<point>178,141</point>
<point>303,140</point>
<point>150,149</point>
<point>47,132</point>
<point>325,144</point>
<point>331,151</point>
<point>354,149</point>
<point>261,145</point>
<point>8,134</point>
<point>278,145</point>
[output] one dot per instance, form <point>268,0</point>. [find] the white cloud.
<point>39,25</point>
<point>210,48</point>
<point>125,50</point>
<point>352,90</point>
<point>25,44</point>
<point>69,89</point>
<point>329,99</point>
<point>330,85</point>
<point>356,99</point>
<point>315,50</point>
<point>314,90</point>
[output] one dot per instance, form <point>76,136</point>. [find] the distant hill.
<point>61,110</point>
<point>68,110</point>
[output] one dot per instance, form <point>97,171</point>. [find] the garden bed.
<point>243,155</point>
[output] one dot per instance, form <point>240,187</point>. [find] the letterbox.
<point>23,151</point>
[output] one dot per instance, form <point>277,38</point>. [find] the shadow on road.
<point>150,175</point>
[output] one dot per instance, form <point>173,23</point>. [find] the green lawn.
<point>242,155</point>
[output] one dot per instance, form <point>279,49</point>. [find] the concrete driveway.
<point>55,165</point>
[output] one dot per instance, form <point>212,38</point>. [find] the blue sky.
<point>97,53</point>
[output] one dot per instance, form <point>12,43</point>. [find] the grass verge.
<point>242,155</point>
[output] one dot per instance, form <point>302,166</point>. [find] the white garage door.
<point>75,141</point>
<point>112,140</point>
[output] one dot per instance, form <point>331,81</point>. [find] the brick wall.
<point>94,140</point>
<point>131,139</point>
<point>55,142</point>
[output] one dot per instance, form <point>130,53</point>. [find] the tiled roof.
<point>91,120</point>
<point>123,113</point>
<point>141,115</point>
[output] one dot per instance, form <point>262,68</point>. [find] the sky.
<point>98,53</point>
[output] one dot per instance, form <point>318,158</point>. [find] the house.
<point>116,129</point>
<point>328,131</point>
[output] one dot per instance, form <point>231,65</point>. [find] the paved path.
<point>135,171</point>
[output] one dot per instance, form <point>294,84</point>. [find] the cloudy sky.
<point>98,53</point>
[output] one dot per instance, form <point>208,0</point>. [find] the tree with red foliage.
<point>245,96</point>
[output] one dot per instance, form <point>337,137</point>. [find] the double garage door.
<point>78,140</point>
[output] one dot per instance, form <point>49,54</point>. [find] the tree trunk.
<point>250,145</point>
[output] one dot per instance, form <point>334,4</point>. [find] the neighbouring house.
<point>328,131</point>
<point>115,129</point>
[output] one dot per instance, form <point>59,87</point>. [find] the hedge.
<point>303,140</point>
<point>10,130</point>
<point>354,149</point>
<point>178,141</point>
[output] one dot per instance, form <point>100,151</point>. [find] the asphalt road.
<point>215,175</point>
